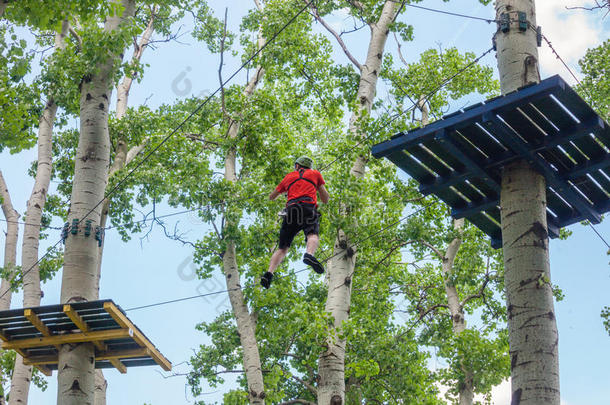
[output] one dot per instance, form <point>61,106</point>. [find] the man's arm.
<point>274,194</point>
<point>323,194</point>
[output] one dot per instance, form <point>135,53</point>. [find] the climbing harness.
<point>301,198</point>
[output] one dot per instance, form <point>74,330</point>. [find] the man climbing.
<point>301,186</point>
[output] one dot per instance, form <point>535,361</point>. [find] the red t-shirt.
<point>300,187</point>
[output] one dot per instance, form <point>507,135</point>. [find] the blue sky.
<point>156,269</point>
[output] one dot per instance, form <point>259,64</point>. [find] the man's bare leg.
<point>313,241</point>
<point>276,259</point>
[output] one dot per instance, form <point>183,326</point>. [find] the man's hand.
<point>323,194</point>
<point>274,194</point>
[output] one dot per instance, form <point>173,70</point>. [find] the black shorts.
<point>299,217</point>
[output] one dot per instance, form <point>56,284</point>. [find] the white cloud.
<point>500,394</point>
<point>571,32</point>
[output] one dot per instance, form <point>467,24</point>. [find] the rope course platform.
<point>459,157</point>
<point>38,333</point>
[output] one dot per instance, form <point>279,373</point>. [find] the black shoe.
<point>266,279</point>
<point>313,262</point>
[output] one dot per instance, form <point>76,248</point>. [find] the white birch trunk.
<point>101,385</point>
<point>246,326</point>
<point>456,309</point>
<point>119,162</point>
<point>22,374</point>
<point>122,157</point>
<point>10,250</point>
<point>331,366</point>
<point>533,337</point>
<point>76,377</point>
<point>10,245</point>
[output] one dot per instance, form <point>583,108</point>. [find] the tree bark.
<point>101,385</point>
<point>331,366</point>
<point>10,245</point>
<point>3,5</point>
<point>32,294</point>
<point>121,159</point>
<point>533,337</point>
<point>246,325</point>
<point>456,310</point>
<point>10,250</point>
<point>76,381</point>
<point>123,156</point>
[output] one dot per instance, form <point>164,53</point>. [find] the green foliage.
<point>50,13</point>
<point>595,85</point>
<point>595,89</point>
<point>484,355</point>
<point>210,30</point>
<point>17,99</point>
<point>7,365</point>
<point>433,68</point>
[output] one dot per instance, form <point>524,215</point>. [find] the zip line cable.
<point>44,227</point>
<point>488,20</point>
<point>600,236</point>
<point>156,148</point>
<point>358,242</point>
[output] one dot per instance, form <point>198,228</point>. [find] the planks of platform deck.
<point>38,333</point>
<point>459,158</point>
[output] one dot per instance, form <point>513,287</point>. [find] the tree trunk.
<point>76,379</point>
<point>121,159</point>
<point>3,5</point>
<point>101,385</point>
<point>10,244</point>
<point>456,309</point>
<point>532,329</point>
<point>10,252</point>
<point>246,325</point>
<point>123,156</point>
<point>331,366</point>
<point>22,374</point>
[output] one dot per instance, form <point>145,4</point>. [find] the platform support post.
<point>532,328</point>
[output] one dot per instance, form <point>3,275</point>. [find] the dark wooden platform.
<point>37,334</point>
<point>459,158</point>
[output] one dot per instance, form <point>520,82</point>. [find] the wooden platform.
<point>37,334</point>
<point>459,158</point>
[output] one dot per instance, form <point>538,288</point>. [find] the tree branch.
<point>423,314</point>
<point>135,151</point>
<point>307,385</point>
<point>334,33</point>
<point>598,6</point>
<point>436,251</point>
<point>76,37</point>
<point>479,294</point>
